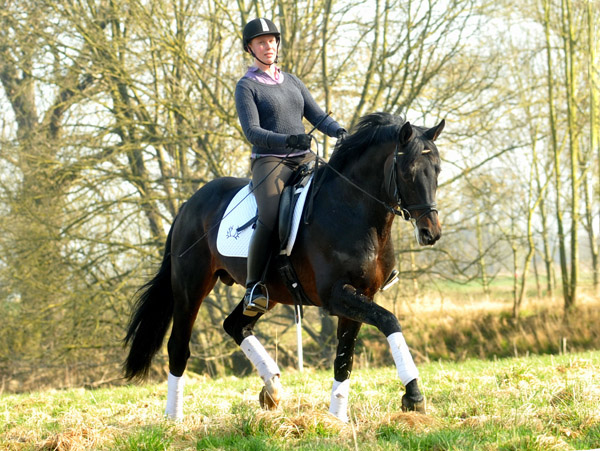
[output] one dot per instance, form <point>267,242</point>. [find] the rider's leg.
<point>268,177</point>
<point>255,300</point>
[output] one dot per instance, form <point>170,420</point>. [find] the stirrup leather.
<point>259,305</point>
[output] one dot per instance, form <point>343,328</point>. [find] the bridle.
<point>402,210</point>
<point>399,209</point>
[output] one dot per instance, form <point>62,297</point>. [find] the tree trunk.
<point>481,259</point>
<point>548,261</point>
<point>557,166</point>
<point>325,69</point>
<point>594,84</point>
<point>570,81</point>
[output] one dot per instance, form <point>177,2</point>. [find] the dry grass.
<point>535,403</point>
<point>528,403</point>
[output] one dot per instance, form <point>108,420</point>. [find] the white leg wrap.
<point>262,361</point>
<point>407,370</point>
<point>339,400</point>
<point>174,409</point>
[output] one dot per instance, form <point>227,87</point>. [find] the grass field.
<point>533,403</point>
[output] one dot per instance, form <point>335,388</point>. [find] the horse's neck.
<point>367,174</point>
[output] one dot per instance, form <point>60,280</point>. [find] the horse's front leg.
<point>347,332</point>
<point>346,301</point>
<point>239,327</point>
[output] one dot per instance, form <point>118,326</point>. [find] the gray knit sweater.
<point>270,113</point>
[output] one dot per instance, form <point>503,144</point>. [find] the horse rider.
<point>270,105</point>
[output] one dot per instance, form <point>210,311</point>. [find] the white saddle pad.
<point>241,209</point>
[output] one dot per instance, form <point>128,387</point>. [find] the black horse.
<point>386,167</point>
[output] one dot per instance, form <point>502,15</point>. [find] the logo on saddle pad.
<point>236,226</point>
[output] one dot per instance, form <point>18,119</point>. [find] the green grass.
<point>535,403</point>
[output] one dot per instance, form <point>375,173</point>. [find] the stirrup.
<point>391,280</point>
<point>254,306</point>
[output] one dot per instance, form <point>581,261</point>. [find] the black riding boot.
<point>259,250</point>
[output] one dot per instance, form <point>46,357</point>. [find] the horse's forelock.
<point>415,149</point>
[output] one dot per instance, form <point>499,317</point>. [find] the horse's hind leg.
<point>239,327</point>
<point>188,297</point>
<point>347,331</point>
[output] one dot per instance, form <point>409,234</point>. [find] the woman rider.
<point>271,105</point>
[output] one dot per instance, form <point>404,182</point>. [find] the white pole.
<point>299,338</point>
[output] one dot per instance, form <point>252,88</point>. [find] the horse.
<point>386,167</point>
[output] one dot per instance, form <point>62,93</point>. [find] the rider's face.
<point>265,48</point>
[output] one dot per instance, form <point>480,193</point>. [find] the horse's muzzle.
<point>428,229</point>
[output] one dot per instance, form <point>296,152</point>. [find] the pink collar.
<point>257,74</point>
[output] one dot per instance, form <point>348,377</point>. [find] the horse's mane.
<point>371,130</point>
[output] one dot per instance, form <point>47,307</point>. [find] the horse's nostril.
<point>427,237</point>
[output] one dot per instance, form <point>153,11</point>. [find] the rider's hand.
<point>301,142</point>
<point>341,134</point>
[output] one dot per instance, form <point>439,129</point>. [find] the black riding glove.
<point>341,134</point>
<point>301,142</point>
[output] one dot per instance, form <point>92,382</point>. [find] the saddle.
<point>289,198</point>
<point>287,203</point>
<point>235,230</point>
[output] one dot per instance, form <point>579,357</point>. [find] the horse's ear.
<point>434,132</point>
<point>406,133</point>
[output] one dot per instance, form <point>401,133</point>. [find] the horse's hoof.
<point>270,395</point>
<point>413,405</point>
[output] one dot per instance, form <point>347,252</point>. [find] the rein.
<point>399,210</point>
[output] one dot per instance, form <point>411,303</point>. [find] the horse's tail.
<point>150,319</point>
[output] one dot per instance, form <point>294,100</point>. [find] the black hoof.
<point>410,404</point>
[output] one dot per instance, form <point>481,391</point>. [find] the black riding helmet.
<point>259,27</point>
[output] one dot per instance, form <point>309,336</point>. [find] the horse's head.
<point>411,164</point>
<point>413,179</point>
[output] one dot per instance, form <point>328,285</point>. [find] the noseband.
<point>402,210</point>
